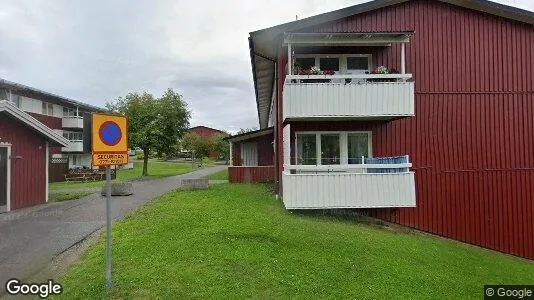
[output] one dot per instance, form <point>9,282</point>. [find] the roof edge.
<point>19,86</point>
<point>250,134</point>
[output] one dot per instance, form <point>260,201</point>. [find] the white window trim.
<point>8,181</point>
<point>342,60</point>
<point>47,162</point>
<point>343,144</point>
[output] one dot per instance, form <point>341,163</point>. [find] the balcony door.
<point>332,148</point>
<point>249,154</point>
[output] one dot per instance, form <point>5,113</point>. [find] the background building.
<point>69,118</point>
<point>208,133</point>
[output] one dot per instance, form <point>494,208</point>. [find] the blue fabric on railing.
<point>387,160</point>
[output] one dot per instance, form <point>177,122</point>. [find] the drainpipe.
<point>275,106</point>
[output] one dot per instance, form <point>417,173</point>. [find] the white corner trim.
<point>8,181</point>
<point>47,162</point>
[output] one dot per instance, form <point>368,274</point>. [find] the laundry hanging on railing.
<point>387,160</point>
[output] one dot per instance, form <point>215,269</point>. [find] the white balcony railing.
<point>72,122</point>
<point>354,96</point>
<point>376,185</point>
<point>73,146</point>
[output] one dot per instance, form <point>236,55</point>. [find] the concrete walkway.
<point>30,238</point>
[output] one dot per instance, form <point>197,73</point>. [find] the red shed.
<point>419,112</point>
<point>24,154</point>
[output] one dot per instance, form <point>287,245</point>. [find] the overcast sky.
<point>94,51</point>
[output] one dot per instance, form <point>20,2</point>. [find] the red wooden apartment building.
<point>418,112</point>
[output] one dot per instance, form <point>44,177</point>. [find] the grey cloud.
<point>95,51</point>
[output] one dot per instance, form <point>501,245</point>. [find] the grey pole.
<point>108,227</point>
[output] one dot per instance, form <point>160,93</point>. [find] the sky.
<point>95,51</point>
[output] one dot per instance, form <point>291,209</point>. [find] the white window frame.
<point>68,132</point>
<point>343,144</point>
<point>342,60</point>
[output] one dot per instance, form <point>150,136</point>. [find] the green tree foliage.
<point>246,130</point>
<point>222,146</point>
<point>199,147</point>
<point>154,124</point>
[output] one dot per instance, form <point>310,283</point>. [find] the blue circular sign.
<point>110,133</point>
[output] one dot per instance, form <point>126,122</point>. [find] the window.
<point>73,135</point>
<point>329,63</point>
<point>50,109</point>
<point>15,99</point>
<point>3,94</point>
<point>357,146</point>
<point>358,63</point>
<point>307,149</point>
<point>305,63</point>
<point>332,148</point>
<point>340,63</point>
<point>47,108</point>
<point>69,112</point>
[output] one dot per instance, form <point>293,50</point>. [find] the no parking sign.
<point>110,140</point>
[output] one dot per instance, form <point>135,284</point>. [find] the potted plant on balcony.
<point>383,70</point>
<point>315,71</point>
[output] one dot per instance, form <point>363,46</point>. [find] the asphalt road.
<point>30,238</point>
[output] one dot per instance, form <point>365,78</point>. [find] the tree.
<point>199,146</point>
<point>154,124</point>
<point>222,146</point>
<point>246,130</point>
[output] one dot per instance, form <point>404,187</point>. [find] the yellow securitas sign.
<point>109,136</point>
<point>109,133</point>
<point>110,159</point>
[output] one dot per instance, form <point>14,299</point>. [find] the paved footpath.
<point>30,238</point>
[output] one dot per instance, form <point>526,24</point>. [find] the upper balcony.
<point>74,122</point>
<point>343,77</point>
<point>365,97</point>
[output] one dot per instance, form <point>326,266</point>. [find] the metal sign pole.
<point>108,227</point>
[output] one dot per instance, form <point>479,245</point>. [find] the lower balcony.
<point>73,146</point>
<point>373,185</point>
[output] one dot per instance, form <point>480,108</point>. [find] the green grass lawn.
<point>156,169</point>
<point>221,175</point>
<point>65,196</point>
<point>237,241</point>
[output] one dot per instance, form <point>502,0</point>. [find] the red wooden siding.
<point>28,158</point>
<point>472,139</point>
<point>52,122</point>
<point>251,174</point>
<point>265,150</point>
